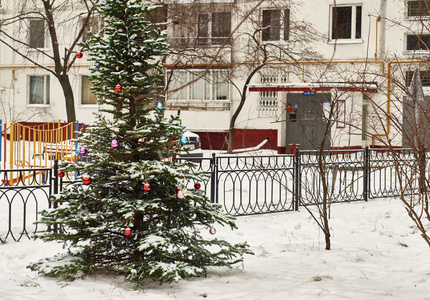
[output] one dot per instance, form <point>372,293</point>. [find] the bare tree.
<point>274,37</point>
<point>59,24</point>
<point>241,48</point>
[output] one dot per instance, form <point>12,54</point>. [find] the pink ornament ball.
<point>83,151</point>
<point>114,143</point>
<point>180,194</point>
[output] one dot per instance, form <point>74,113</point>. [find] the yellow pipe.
<point>389,95</point>
<point>11,148</point>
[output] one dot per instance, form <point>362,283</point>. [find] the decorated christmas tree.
<point>131,213</point>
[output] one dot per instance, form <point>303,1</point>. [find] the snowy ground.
<point>377,254</point>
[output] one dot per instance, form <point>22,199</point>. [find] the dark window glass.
<point>37,34</point>
<point>287,25</point>
<point>271,25</point>
<point>203,29</point>
<point>358,22</point>
<point>424,76</point>
<point>342,21</point>
<point>221,26</point>
<point>418,8</point>
<point>414,42</point>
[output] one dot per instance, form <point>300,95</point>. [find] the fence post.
<point>214,174</point>
<point>296,179</point>
<point>366,174</point>
<point>55,182</point>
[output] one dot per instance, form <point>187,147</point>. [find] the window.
<point>87,97</point>
<point>213,28</point>
<point>221,27</point>
<point>346,22</point>
<point>211,86</point>
<point>418,42</point>
<point>340,113</point>
<point>94,25</point>
<point>158,18</point>
<point>418,8</point>
<point>37,34</point>
<point>274,23</point>
<point>203,29</point>
<point>424,76</point>
<point>39,87</point>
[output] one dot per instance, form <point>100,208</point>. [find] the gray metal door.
<point>305,125</point>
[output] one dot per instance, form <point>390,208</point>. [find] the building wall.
<point>383,41</point>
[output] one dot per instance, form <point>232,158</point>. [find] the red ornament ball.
<point>127,231</point>
<point>118,88</point>
<point>86,180</point>
<point>212,231</point>
<point>61,174</point>
<point>79,54</point>
<point>146,187</point>
<point>197,186</point>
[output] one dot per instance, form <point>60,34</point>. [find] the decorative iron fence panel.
<point>341,171</point>
<point>243,185</point>
<point>389,175</point>
<point>23,194</point>
<point>255,184</point>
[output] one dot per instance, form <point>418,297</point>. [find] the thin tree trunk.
<point>69,98</point>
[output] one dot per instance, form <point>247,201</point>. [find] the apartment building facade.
<point>297,71</point>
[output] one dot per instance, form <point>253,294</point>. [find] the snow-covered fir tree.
<point>135,217</point>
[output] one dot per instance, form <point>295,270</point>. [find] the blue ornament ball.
<point>78,150</point>
<point>159,106</point>
<point>183,140</point>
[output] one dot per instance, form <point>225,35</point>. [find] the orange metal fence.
<point>26,145</point>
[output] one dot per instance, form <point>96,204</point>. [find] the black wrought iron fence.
<point>243,185</point>
<point>23,194</point>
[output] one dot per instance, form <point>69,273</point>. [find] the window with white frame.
<point>37,34</point>
<point>418,8</point>
<point>424,78</point>
<point>87,97</point>
<point>275,24</point>
<point>420,42</point>
<point>213,28</point>
<point>94,25</point>
<point>346,22</point>
<point>208,85</point>
<point>39,89</point>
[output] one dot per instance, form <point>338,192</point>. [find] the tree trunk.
<point>241,104</point>
<point>69,98</point>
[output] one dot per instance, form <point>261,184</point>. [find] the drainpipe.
<point>380,24</point>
